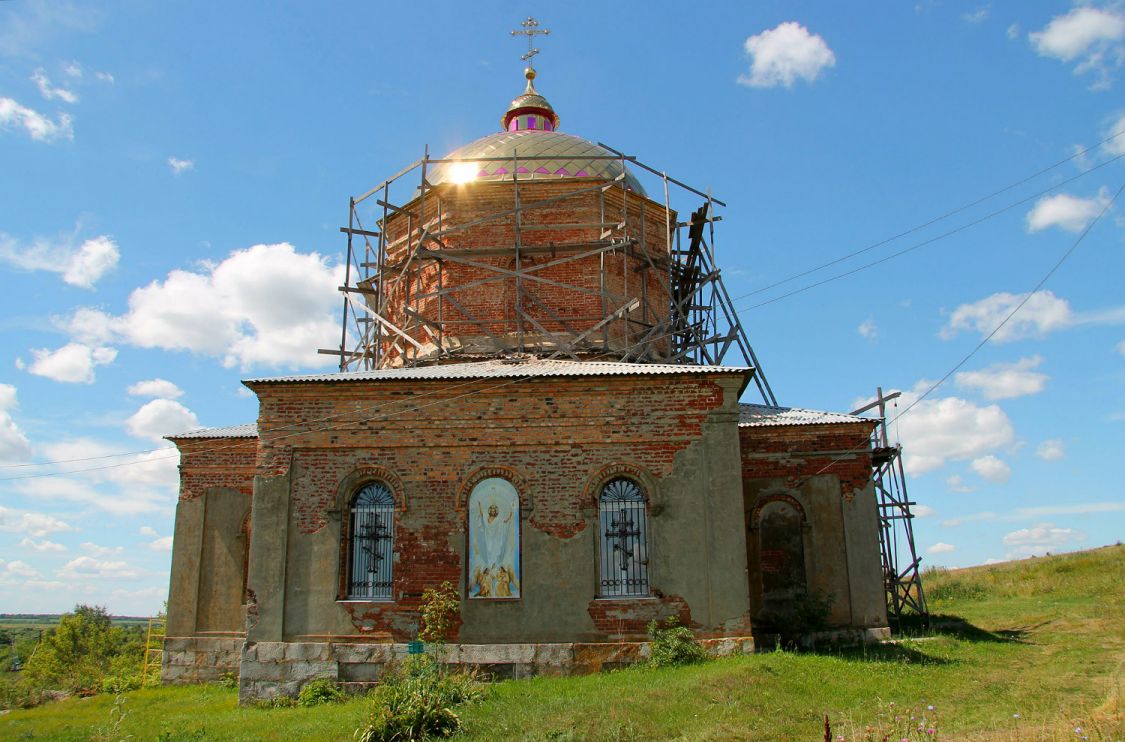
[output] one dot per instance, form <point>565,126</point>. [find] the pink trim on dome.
<point>582,174</point>
<point>543,170</point>
<point>562,171</point>
<point>500,171</point>
<point>522,169</point>
<point>482,173</point>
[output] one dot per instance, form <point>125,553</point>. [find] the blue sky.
<point>174,176</point>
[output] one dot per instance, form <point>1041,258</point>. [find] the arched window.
<point>371,534</point>
<point>623,557</point>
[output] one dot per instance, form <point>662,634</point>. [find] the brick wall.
<point>548,238</point>
<point>206,463</point>
<point>800,451</point>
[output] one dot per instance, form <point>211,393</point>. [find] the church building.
<point>533,405</point>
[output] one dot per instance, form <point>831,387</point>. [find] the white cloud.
<point>179,166</point>
<point>101,551</point>
<point>88,568</point>
<point>14,446</point>
<point>1116,130</point>
<point>37,525</point>
<point>941,548</point>
<point>37,126</point>
<point>956,483</point>
<point>1014,31</point>
<point>993,469</point>
<point>148,531</point>
<point>265,305</point>
<point>1005,380</point>
<point>1088,35</point>
<point>161,544</point>
<point>1071,213</point>
<point>1041,539</point>
<point>72,364</point>
<point>976,16</point>
<point>867,329</point>
<point>922,511</point>
<point>1042,313</point>
<point>781,55</point>
<point>80,265</point>
<point>48,91</point>
<point>123,485</point>
<point>1051,450</point>
<point>1121,347</point>
<point>20,569</point>
<point>159,418</point>
<point>936,431</point>
<point>104,77</point>
<point>159,388</point>
<point>42,546</point>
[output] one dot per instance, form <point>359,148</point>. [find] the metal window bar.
<point>623,518</point>
<point>372,544</point>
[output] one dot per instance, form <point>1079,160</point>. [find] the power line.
<point>931,240</point>
<point>1078,154</point>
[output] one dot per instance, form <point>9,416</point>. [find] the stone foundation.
<point>271,669</point>
<point>193,659</point>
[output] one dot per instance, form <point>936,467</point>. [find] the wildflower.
<point>1015,716</point>
<point>930,707</point>
<point>931,730</point>
<point>1078,730</point>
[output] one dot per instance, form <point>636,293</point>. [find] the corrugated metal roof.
<point>247,430</point>
<point>509,370</point>
<point>758,415</point>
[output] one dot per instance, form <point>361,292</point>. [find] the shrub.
<point>441,606</point>
<point>673,645</point>
<point>320,691</point>
<point>417,701</point>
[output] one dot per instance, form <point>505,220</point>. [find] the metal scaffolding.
<point>659,290</point>
<point>902,578</point>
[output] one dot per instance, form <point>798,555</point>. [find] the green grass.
<point>1042,638</point>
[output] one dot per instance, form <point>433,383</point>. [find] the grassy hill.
<point>1028,650</point>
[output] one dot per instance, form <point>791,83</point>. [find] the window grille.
<point>624,540</point>
<point>372,543</point>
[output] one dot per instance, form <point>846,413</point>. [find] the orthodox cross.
<point>622,532</point>
<point>530,30</point>
<point>371,533</point>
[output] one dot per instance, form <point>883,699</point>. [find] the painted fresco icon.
<point>494,540</point>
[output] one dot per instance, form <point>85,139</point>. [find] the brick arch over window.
<point>518,480</point>
<point>591,495</point>
<point>363,474</point>
<point>764,500</point>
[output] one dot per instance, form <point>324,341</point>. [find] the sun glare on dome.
<point>463,172</point>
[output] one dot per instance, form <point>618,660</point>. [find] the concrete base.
<point>271,669</point>
<point>193,659</point>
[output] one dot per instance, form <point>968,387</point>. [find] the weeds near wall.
<point>418,700</point>
<point>673,645</point>
<point>320,691</point>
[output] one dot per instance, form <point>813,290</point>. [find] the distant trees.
<point>86,653</point>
